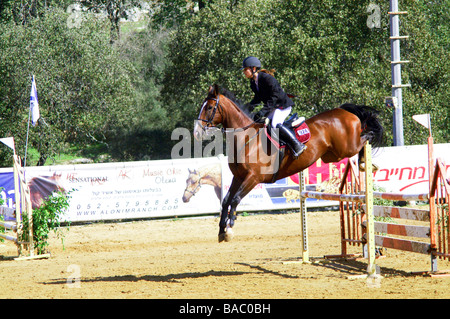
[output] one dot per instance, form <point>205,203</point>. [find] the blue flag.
<point>34,104</point>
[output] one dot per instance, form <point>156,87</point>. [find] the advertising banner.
<point>129,190</point>
<point>196,186</point>
<point>405,169</point>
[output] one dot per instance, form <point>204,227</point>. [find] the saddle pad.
<point>301,132</point>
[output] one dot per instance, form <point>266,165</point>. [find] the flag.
<point>422,119</point>
<point>8,141</point>
<point>34,104</point>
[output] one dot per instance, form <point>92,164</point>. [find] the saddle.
<point>297,124</point>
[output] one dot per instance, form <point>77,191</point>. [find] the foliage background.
<point>117,88</point>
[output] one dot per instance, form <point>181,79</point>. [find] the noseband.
<point>211,118</point>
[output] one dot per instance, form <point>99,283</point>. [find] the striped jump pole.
<point>371,268</point>
<point>304,227</point>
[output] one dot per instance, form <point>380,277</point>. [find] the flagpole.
<point>33,113</point>
<point>26,142</point>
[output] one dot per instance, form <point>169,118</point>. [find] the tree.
<point>115,10</point>
<point>24,10</point>
<point>324,51</point>
<point>84,87</point>
<point>427,48</point>
<point>171,13</point>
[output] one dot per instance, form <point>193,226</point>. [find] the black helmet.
<point>250,62</point>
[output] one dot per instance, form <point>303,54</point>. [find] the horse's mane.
<point>232,97</point>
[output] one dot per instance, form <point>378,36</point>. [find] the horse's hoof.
<point>362,167</point>
<point>229,234</point>
<point>221,237</point>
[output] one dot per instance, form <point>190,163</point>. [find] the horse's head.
<point>210,113</point>
<point>193,184</point>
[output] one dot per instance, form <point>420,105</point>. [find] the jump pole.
<point>371,268</point>
<point>304,227</point>
<point>367,198</point>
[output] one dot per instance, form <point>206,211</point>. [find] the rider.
<point>277,105</point>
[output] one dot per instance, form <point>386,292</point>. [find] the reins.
<point>211,118</point>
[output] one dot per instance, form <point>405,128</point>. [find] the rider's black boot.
<point>288,136</point>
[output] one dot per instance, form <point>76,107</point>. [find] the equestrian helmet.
<point>250,62</point>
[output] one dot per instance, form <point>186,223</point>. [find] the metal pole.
<point>396,73</point>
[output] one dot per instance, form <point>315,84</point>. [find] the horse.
<point>205,175</point>
<point>335,134</point>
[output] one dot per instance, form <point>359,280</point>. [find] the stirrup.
<point>295,154</point>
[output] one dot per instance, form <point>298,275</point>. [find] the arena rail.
<point>357,215</point>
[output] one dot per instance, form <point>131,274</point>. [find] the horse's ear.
<point>216,89</point>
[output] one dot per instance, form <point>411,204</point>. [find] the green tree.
<point>25,10</point>
<point>144,138</point>
<point>172,13</point>
<point>84,87</point>
<point>324,52</point>
<point>427,25</point>
<point>114,9</point>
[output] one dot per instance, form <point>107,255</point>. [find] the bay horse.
<point>335,134</point>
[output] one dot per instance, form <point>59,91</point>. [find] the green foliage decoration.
<point>46,218</point>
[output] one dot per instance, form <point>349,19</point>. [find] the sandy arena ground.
<point>182,259</point>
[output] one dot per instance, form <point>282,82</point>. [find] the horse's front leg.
<point>362,162</point>
<point>232,215</point>
<point>233,199</point>
<point>224,216</point>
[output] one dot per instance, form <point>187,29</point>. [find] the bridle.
<point>193,192</point>
<point>217,106</point>
<point>213,114</point>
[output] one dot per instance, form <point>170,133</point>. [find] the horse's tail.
<point>370,123</point>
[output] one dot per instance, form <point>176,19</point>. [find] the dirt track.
<point>182,259</point>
